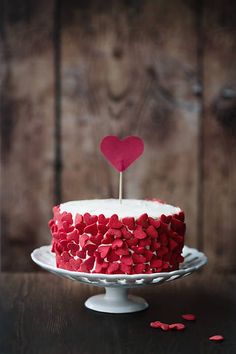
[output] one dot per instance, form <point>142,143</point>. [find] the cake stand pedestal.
<point>116,298</point>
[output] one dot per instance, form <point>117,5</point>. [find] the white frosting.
<point>128,207</point>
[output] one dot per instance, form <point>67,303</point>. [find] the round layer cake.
<point>109,237</point>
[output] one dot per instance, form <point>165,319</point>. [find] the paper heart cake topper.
<point>121,153</point>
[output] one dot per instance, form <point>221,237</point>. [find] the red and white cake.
<point>109,237</point>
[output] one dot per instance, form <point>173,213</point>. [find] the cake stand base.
<point>116,300</point>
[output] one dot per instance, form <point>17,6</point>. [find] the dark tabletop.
<point>42,313</point>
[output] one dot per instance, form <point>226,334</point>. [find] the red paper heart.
<point>121,153</point>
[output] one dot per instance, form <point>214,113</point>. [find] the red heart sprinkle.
<point>105,265</point>
<point>104,250</point>
<point>83,268</point>
<point>180,258</point>
<point>178,226</point>
<point>112,257</point>
<point>172,245</point>
<point>102,219</point>
<point>165,265</point>
<point>154,222</point>
<point>75,264</point>
<point>163,239</point>
<point>155,263</point>
<point>78,219</point>
<point>98,268</point>
<point>73,247</point>
<point>73,236</point>
<point>114,222</point>
<point>145,242</point>
<point>102,228</point>
<point>179,239</point>
<point>81,254</point>
<point>54,228</point>
<point>90,248</point>
<point>155,245</point>
<point>121,153</point>
<point>132,242</point>
<point>67,217</point>
<point>162,251</point>
<point>178,326</point>
<point>51,223</point>
<point>143,220</point>
<point>127,234</point>
<point>113,267</point>
<point>89,262</point>
<point>123,251</point>
<point>83,240</point>
<point>67,227</point>
<point>139,268</point>
<point>117,243</point>
<point>80,227</point>
<point>138,249</point>
<point>96,239</point>
<point>63,244</point>
<point>126,260</point>
<point>53,248</point>
<point>108,239</point>
<point>148,255</point>
<point>65,256</point>
<point>139,233</point>
<point>129,222</point>
<point>155,324</point>
<point>91,229</point>
<point>152,232</point>
<point>114,232</point>
<point>216,338</point>
<point>126,268</point>
<point>165,219</point>
<point>138,258</point>
<point>189,317</point>
<point>180,216</point>
<point>90,219</point>
<point>56,235</point>
<point>164,326</point>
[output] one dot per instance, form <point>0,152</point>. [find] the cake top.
<point>128,207</point>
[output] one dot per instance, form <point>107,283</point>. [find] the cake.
<point>109,237</point>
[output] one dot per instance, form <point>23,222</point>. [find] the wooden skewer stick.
<point>120,187</point>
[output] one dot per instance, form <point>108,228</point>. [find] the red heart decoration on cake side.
<point>121,153</point>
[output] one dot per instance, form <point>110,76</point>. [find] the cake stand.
<point>116,298</point>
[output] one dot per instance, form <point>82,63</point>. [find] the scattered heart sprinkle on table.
<point>167,327</point>
<point>180,326</point>
<point>216,338</point>
<point>177,326</point>
<point>189,317</point>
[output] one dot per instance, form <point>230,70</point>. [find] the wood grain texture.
<point>27,151</point>
<point>131,68</point>
<point>220,133</point>
<point>42,313</point>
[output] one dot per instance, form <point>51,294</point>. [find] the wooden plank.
<point>42,311</point>
<point>27,116</point>
<point>220,133</point>
<point>131,68</point>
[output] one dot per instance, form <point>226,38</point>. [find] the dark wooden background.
<point>73,71</point>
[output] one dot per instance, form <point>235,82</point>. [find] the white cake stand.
<point>116,298</point>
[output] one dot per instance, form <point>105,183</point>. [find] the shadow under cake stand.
<point>116,298</point>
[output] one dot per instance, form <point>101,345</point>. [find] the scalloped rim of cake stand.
<point>116,298</point>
